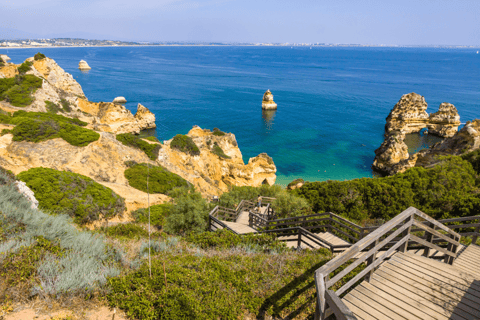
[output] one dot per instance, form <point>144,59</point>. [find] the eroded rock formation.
<point>391,151</point>
<point>120,100</point>
<point>145,118</point>
<point>83,65</point>
<point>445,121</point>
<point>267,103</point>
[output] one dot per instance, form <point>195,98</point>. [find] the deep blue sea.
<point>332,102</point>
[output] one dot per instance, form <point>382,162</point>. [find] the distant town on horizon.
<point>77,42</point>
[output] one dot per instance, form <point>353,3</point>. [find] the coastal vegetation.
<point>55,108</point>
<point>18,91</point>
<point>41,126</point>
<point>218,132</point>
<point>73,194</point>
<point>160,179</point>
<point>131,140</point>
<point>449,189</point>
<point>219,151</point>
<point>158,214</point>
<point>25,67</point>
<point>185,144</point>
<point>39,56</point>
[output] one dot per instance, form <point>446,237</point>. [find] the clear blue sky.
<point>409,22</point>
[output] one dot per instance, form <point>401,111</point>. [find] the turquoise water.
<point>332,102</point>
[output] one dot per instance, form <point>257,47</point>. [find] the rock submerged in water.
<point>120,100</point>
<point>145,118</point>
<point>268,103</point>
<point>83,65</point>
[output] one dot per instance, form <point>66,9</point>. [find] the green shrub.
<point>52,107</point>
<point>226,286</point>
<point>39,56</point>
<point>2,63</point>
<point>160,179</point>
<point>151,138</point>
<point>295,182</point>
<point>225,239</point>
<point>189,215</point>
<point>158,213</point>
<point>65,105</point>
<point>20,115</point>
<point>74,194</point>
<point>435,191</point>
<point>125,230</point>
<point>219,152</point>
<point>25,67</point>
<point>18,91</point>
<point>5,131</point>
<point>151,149</point>
<point>6,176</point>
<point>185,144</point>
<point>218,132</point>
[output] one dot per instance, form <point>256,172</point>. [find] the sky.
<point>390,22</point>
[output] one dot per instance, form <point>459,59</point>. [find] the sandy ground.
<point>101,313</point>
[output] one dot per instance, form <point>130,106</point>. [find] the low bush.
<point>218,132</point>
<point>185,144</point>
<point>227,285</point>
<point>158,214</point>
<point>160,179</point>
<point>65,105</point>
<point>151,138</point>
<point>5,131</point>
<point>19,91</point>
<point>225,239</point>
<point>25,67</point>
<point>52,107</point>
<point>446,190</point>
<point>125,231</point>
<point>219,152</point>
<point>18,116</point>
<point>151,149</point>
<point>74,194</point>
<point>189,215</point>
<point>39,56</point>
<point>2,63</point>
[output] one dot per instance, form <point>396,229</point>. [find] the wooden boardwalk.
<point>409,286</point>
<point>327,236</point>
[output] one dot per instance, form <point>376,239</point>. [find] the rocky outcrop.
<point>145,118</point>
<point>115,118</point>
<point>120,100</point>
<point>445,121</point>
<point>5,58</point>
<point>408,115</point>
<point>211,174</point>
<point>267,103</point>
<point>392,151</point>
<point>9,70</point>
<point>296,184</point>
<point>27,192</point>
<point>83,65</point>
<point>57,77</point>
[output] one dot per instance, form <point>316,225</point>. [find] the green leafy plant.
<point>74,194</point>
<point>219,152</point>
<point>5,131</point>
<point>39,56</point>
<point>52,107</point>
<point>65,105</point>
<point>151,138</point>
<point>125,231</point>
<point>185,144</point>
<point>218,132</point>
<point>158,214</point>
<point>160,179</point>
<point>151,149</point>
<point>18,91</point>
<point>25,67</point>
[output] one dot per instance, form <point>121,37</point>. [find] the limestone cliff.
<point>445,121</point>
<point>212,174</point>
<point>61,89</point>
<point>408,115</point>
<point>268,103</point>
<point>392,151</point>
<point>102,160</point>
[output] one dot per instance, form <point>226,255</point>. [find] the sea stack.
<point>267,103</point>
<point>83,65</point>
<point>120,100</point>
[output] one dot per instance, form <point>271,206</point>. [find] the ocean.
<point>332,101</point>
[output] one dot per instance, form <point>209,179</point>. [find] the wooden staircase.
<point>409,286</point>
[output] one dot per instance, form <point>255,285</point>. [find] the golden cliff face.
<point>211,174</point>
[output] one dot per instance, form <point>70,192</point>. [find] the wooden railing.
<point>393,236</point>
<point>215,224</point>
<point>301,236</point>
<point>465,226</point>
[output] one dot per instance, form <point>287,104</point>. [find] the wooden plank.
<point>432,276</point>
<point>397,309</point>
<point>384,313</point>
<point>416,300</point>
<point>360,304</point>
<point>405,300</point>
<point>341,311</point>
<point>435,222</point>
<point>435,292</point>
<point>443,221</point>
<point>438,300</point>
<point>359,314</point>
<point>343,225</point>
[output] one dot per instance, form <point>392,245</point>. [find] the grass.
<point>185,144</point>
<point>74,194</point>
<point>18,91</point>
<point>131,140</point>
<point>160,179</point>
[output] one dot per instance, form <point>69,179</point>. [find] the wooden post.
<point>299,241</point>
<point>370,260</point>
<point>209,223</point>
<point>452,248</point>
<point>404,247</point>
<point>429,238</point>
<point>477,231</point>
